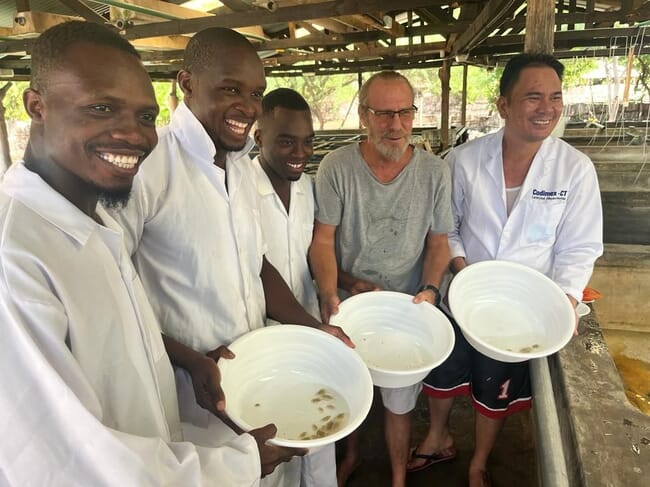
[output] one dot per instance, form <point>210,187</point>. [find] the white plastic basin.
<point>313,387</point>
<point>399,341</point>
<point>510,312</point>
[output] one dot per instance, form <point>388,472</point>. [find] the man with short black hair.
<point>499,214</point>
<point>87,391</point>
<point>193,225</point>
<point>285,136</point>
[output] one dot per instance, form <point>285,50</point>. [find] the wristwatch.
<point>433,288</point>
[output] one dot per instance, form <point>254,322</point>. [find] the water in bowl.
<point>390,349</point>
<point>300,411</point>
<point>512,331</point>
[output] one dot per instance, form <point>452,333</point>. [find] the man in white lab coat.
<point>285,136</point>
<point>524,196</point>
<point>193,225</point>
<point>87,394</point>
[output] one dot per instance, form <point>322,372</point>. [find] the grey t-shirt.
<point>382,227</point>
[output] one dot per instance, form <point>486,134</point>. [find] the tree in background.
<point>326,95</point>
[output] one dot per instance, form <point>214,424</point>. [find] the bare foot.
<point>346,468</point>
<point>479,478</point>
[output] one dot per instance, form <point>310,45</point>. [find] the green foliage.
<point>327,95</point>
<point>13,101</point>
<point>482,84</point>
<point>575,70</point>
<point>163,90</point>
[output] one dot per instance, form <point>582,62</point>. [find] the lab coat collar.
<point>494,161</point>
<point>32,191</point>
<point>196,140</point>
<point>540,165</point>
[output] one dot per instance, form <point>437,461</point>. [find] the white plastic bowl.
<point>399,341</point>
<point>510,312</point>
<point>295,377</point>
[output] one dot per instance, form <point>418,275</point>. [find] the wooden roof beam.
<point>639,14</point>
<point>82,10</point>
<point>236,5</point>
<point>32,23</point>
<point>333,25</point>
<point>430,48</point>
<point>435,15</point>
<point>310,28</point>
<point>322,9</point>
<point>157,9</point>
<point>353,21</point>
<point>489,19</point>
<point>376,20</point>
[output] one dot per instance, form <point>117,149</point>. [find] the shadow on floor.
<point>512,464</point>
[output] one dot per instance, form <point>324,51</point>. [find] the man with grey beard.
<point>384,211</point>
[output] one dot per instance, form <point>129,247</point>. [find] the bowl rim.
<point>292,328</point>
<point>405,297</point>
<point>521,356</point>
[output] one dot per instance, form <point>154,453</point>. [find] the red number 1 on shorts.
<point>504,390</point>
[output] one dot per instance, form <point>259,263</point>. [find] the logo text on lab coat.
<point>542,194</point>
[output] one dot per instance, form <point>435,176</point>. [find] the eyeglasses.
<point>405,114</point>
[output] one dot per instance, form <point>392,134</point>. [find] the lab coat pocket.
<point>542,220</point>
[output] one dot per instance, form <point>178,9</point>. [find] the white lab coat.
<point>198,247</point>
<point>288,237</point>
<point>87,392</point>
<point>556,224</point>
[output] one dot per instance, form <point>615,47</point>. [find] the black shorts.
<point>498,389</point>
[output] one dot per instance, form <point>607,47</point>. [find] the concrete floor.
<point>513,462</point>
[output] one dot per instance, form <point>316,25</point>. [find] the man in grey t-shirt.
<point>384,211</point>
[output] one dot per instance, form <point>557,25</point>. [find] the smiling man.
<point>285,136</point>
<point>524,196</point>
<point>193,226</point>
<point>87,393</point>
<point>383,214</point>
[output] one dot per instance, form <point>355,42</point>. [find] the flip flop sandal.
<point>433,458</point>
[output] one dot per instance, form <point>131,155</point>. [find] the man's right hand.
<point>206,380</point>
<point>271,455</point>
<point>329,306</point>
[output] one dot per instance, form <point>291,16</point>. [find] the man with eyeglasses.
<point>383,214</point>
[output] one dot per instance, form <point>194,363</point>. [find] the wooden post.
<point>628,76</point>
<point>359,85</point>
<point>5,154</point>
<point>443,74</point>
<point>540,26</point>
<point>463,103</point>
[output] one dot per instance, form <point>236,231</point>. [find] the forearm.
<point>457,264</point>
<point>281,304</point>
<point>324,267</point>
<point>181,355</point>
<point>436,259</point>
